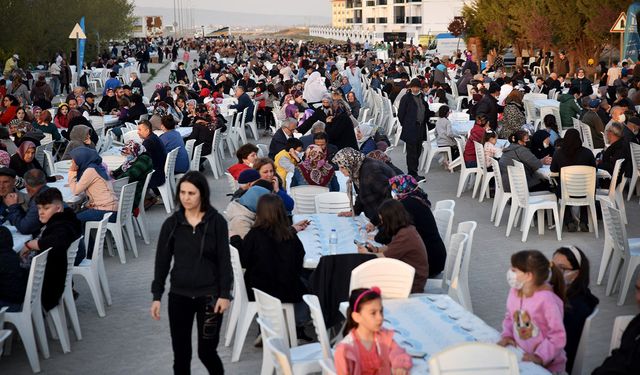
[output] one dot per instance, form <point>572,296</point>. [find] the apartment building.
<point>339,13</point>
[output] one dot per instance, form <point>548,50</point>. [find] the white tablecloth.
<point>539,103</point>
<point>545,172</point>
<point>462,127</point>
<point>315,237</point>
<point>113,161</point>
<point>63,186</point>
<point>110,120</point>
<point>428,324</point>
<point>18,238</point>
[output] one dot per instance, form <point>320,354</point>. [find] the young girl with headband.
<point>367,348</point>
<point>535,308</point>
<point>580,301</point>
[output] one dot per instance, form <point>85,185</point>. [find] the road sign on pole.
<point>77,34</point>
<point>620,24</point>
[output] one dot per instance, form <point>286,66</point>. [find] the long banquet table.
<point>427,324</point>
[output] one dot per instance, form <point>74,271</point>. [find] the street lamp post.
<point>202,31</point>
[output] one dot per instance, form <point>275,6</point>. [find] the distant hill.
<point>211,17</point>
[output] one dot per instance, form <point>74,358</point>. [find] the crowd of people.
<point>312,94</point>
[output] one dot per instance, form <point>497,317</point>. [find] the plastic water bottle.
<point>333,242</point>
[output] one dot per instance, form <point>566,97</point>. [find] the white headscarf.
<point>367,132</point>
<point>314,88</point>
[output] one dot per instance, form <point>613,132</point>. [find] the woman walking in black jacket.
<point>196,237</point>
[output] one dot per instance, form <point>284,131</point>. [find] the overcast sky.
<point>282,7</point>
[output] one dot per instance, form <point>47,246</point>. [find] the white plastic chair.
<point>189,145</point>
<point>140,221</point>
<point>4,333</point>
<point>522,200</point>
<point>459,284</point>
<point>279,355</point>
<point>253,124</point>
<point>444,221</point>
<point>332,202</point>
<point>328,368</point>
<point>619,325</point>
<point>615,191</point>
<point>393,277</point>
<point>263,150</point>
<point>501,197</point>
<point>213,158</point>
<point>122,229</point>
<point>477,358</point>
<point>483,176</point>
<point>578,362</point>
<point>119,184</point>
<point>578,188</point>
<point>587,139</point>
<point>635,161</point>
<point>98,123</point>
<point>93,271</point>
<point>50,164</point>
<point>304,197</point>
<point>445,204</point>
<point>304,357</point>
<point>428,152</point>
<point>166,189</point>
<point>29,319</point>
<point>240,126</point>
<point>318,323</point>
<point>242,310</point>
<point>233,184</point>
<point>57,314</point>
<point>195,158</point>
<point>465,172</point>
<point>455,246</point>
<point>626,253</point>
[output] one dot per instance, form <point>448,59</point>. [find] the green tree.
<point>37,29</point>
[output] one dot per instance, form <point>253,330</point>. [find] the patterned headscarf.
<point>404,186</point>
<point>351,160</point>
<point>160,110</point>
<point>132,149</point>
<point>24,147</point>
<point>379,155</point>
<point>5,159</point>
<point>316,168</point>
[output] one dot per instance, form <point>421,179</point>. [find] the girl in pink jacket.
<point>535,308</point>
<point>367,348</point>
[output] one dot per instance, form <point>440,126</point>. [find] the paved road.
<point>127,341</point>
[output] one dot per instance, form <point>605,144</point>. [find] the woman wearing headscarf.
<point>75,119</point>
<point>405,189</point>
<point>354,76</point>
<point>315,169</point>
<point>204,129</point>
<point>136,166</point>
<point>314,88</point>
<point>364,136</point>
<point>339,127</point>
<point>191,114</point>
<point>87,175</point>
<point>381,156</point>
<point>25,159</point>
<point>5,159</point>
<point>19,90</point>
<point>80,136</point>
<point>514,116</point>
<point>354,104</point>
<point>541,144</point>
<point>572,153</point>
<point>368,177</point>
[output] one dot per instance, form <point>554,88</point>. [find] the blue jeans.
<point>471,164</point>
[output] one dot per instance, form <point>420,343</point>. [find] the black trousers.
<point>181,312</point>
<point>413,156</point>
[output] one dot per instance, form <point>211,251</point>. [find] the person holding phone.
<point>195,237</point>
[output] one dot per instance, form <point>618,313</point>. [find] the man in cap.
<point>89,105</point>
<point>591,118</point>
<point>413,113</point>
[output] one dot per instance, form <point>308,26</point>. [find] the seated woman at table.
<point>415,201</point>
<point>273,255</point>
<point>136,166</point>
<point>541,144</point>
<point>551,126</point>
<point>247,155</point>
<point>580,302</point>
<point>204,128</point>
<point>364,136</point>
<point>25,159</point>
<point>241,213</point>
<point>403,242</point>
<point>287,159</point>
<point>368,177</point>
<point>79,137</point>
<point>75,119</point>
<point>518,150</point>
<point>315,170</point>
<point>571,153</point>
<point>267,168</point>
<point>44,124</point>
<point>171,140</point>
<point>533,321</point>
<point>445,137</point>
<point>514,117</point>
<point>88,175</point>
<point>367,348</point>
<point>13,278</point>
<point>476,134</point>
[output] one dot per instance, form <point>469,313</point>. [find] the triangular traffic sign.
<point>620,24</point>
<point>77,33</point>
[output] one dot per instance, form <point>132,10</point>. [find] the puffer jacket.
<point>568,109</point>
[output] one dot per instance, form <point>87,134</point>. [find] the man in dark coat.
<point>279,139</point>
<point>155,149</point>
<point>61,228</point>
<point>488,106</point>
<point>244,101</point>
<point>413,113</point>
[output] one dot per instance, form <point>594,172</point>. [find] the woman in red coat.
<point>10,105</point>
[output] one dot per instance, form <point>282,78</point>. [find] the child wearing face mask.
<point>367,348</point>
<point>535,307</point>
<point>580,302</point>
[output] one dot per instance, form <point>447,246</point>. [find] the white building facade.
<point>370,19</point>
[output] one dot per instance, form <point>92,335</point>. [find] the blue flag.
<point>82,44</point>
